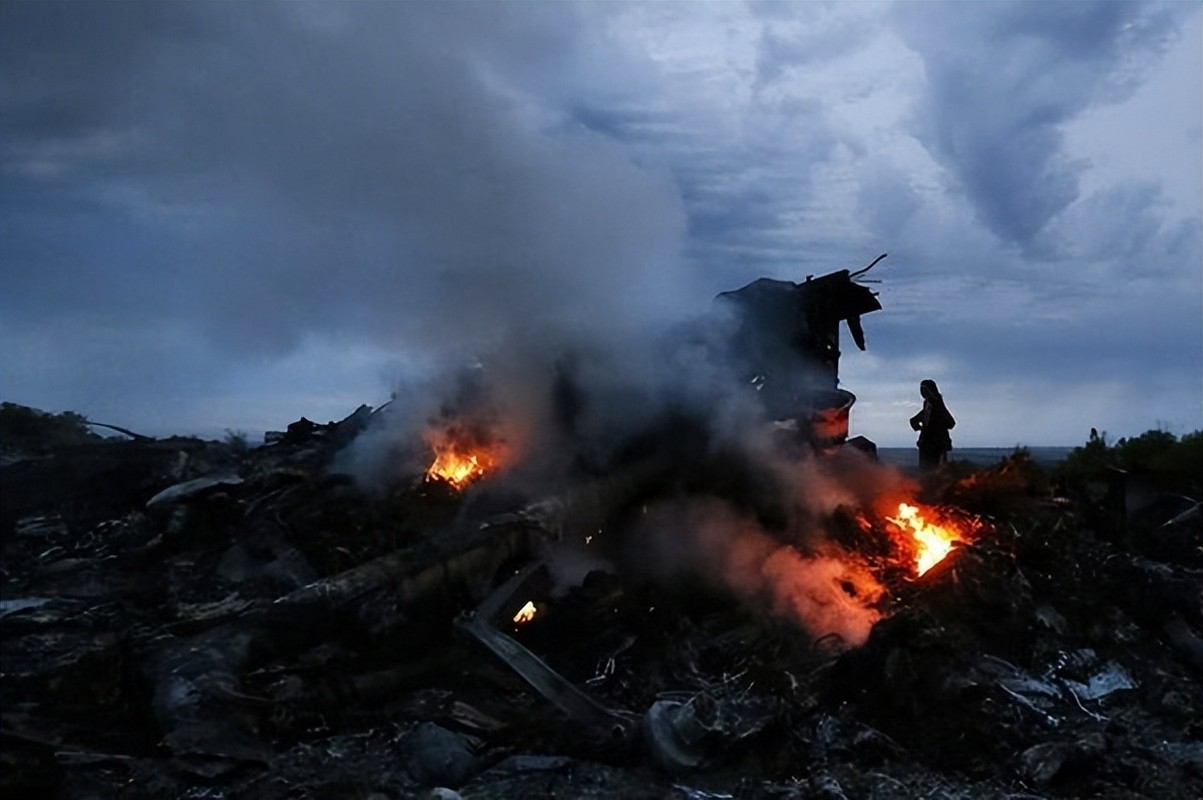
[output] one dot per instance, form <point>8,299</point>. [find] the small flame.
<point>455,468</point>
<point>932,541</point>
<point>461,457</point>
<point>525,614</point>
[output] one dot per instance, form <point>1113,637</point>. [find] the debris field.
<point>182,618</point>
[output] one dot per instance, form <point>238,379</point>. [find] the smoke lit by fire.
<point>828,593</point>
<point>789,548</point>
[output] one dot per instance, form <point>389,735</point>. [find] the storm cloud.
<point>222,215</point>
<point>1002,79</point>
<point>378,170</point>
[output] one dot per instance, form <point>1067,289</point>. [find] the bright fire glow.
<point>457,468</point>
<point>461,458</point>
<point>932,542</point>
<point>526,613</point>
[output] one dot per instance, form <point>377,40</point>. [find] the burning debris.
<point>786,343</point>
<point>465,440</point>
<point>932,540</point>
<point>687,613</point>
<point>525,614</point>
<point>460,459</point>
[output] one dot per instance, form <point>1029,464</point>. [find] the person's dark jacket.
<point>933,423</point>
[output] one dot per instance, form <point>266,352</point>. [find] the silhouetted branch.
<point>135,436</point>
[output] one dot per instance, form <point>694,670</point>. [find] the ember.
<point>525,614</point>
<point>932,541</point>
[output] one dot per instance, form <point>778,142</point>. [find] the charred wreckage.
<point>183,618</point>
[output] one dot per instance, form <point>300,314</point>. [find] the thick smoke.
<point>825,592</point>
<point>660,420</point>
<point>845,480</point>
<point>659,416</point>
<point>789,564</point>
<point>528,268</point>
<point>400,174</point>
<point>567,405</point>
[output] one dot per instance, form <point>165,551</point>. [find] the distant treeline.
<point>30,430</point>
<point>1177,461</point>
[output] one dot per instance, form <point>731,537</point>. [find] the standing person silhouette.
<point>933,423</point>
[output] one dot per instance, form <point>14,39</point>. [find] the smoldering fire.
<point>670,424</point>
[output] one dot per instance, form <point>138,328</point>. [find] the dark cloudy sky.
<point>227,215</point>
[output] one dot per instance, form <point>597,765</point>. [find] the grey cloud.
<point>1141,326</point>
<point>887,200</point>
<point>131,374</point>
<point>783,47</point>
<point>1001,80</point>
<point>396,170</point>
<point>1128,227</point>
<point>194,190</point>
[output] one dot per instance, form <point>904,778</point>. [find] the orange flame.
<point>456,468</point>
<point>525,614</point>
<point>460,459</point>
<point>932,541</point>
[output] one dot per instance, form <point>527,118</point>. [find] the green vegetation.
<point>1177,462</point>
<point>28,430</point>
<point>238,442</point>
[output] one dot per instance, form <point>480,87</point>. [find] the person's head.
<point>927,388</point>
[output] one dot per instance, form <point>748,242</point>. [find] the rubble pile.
<point>185,619</point>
